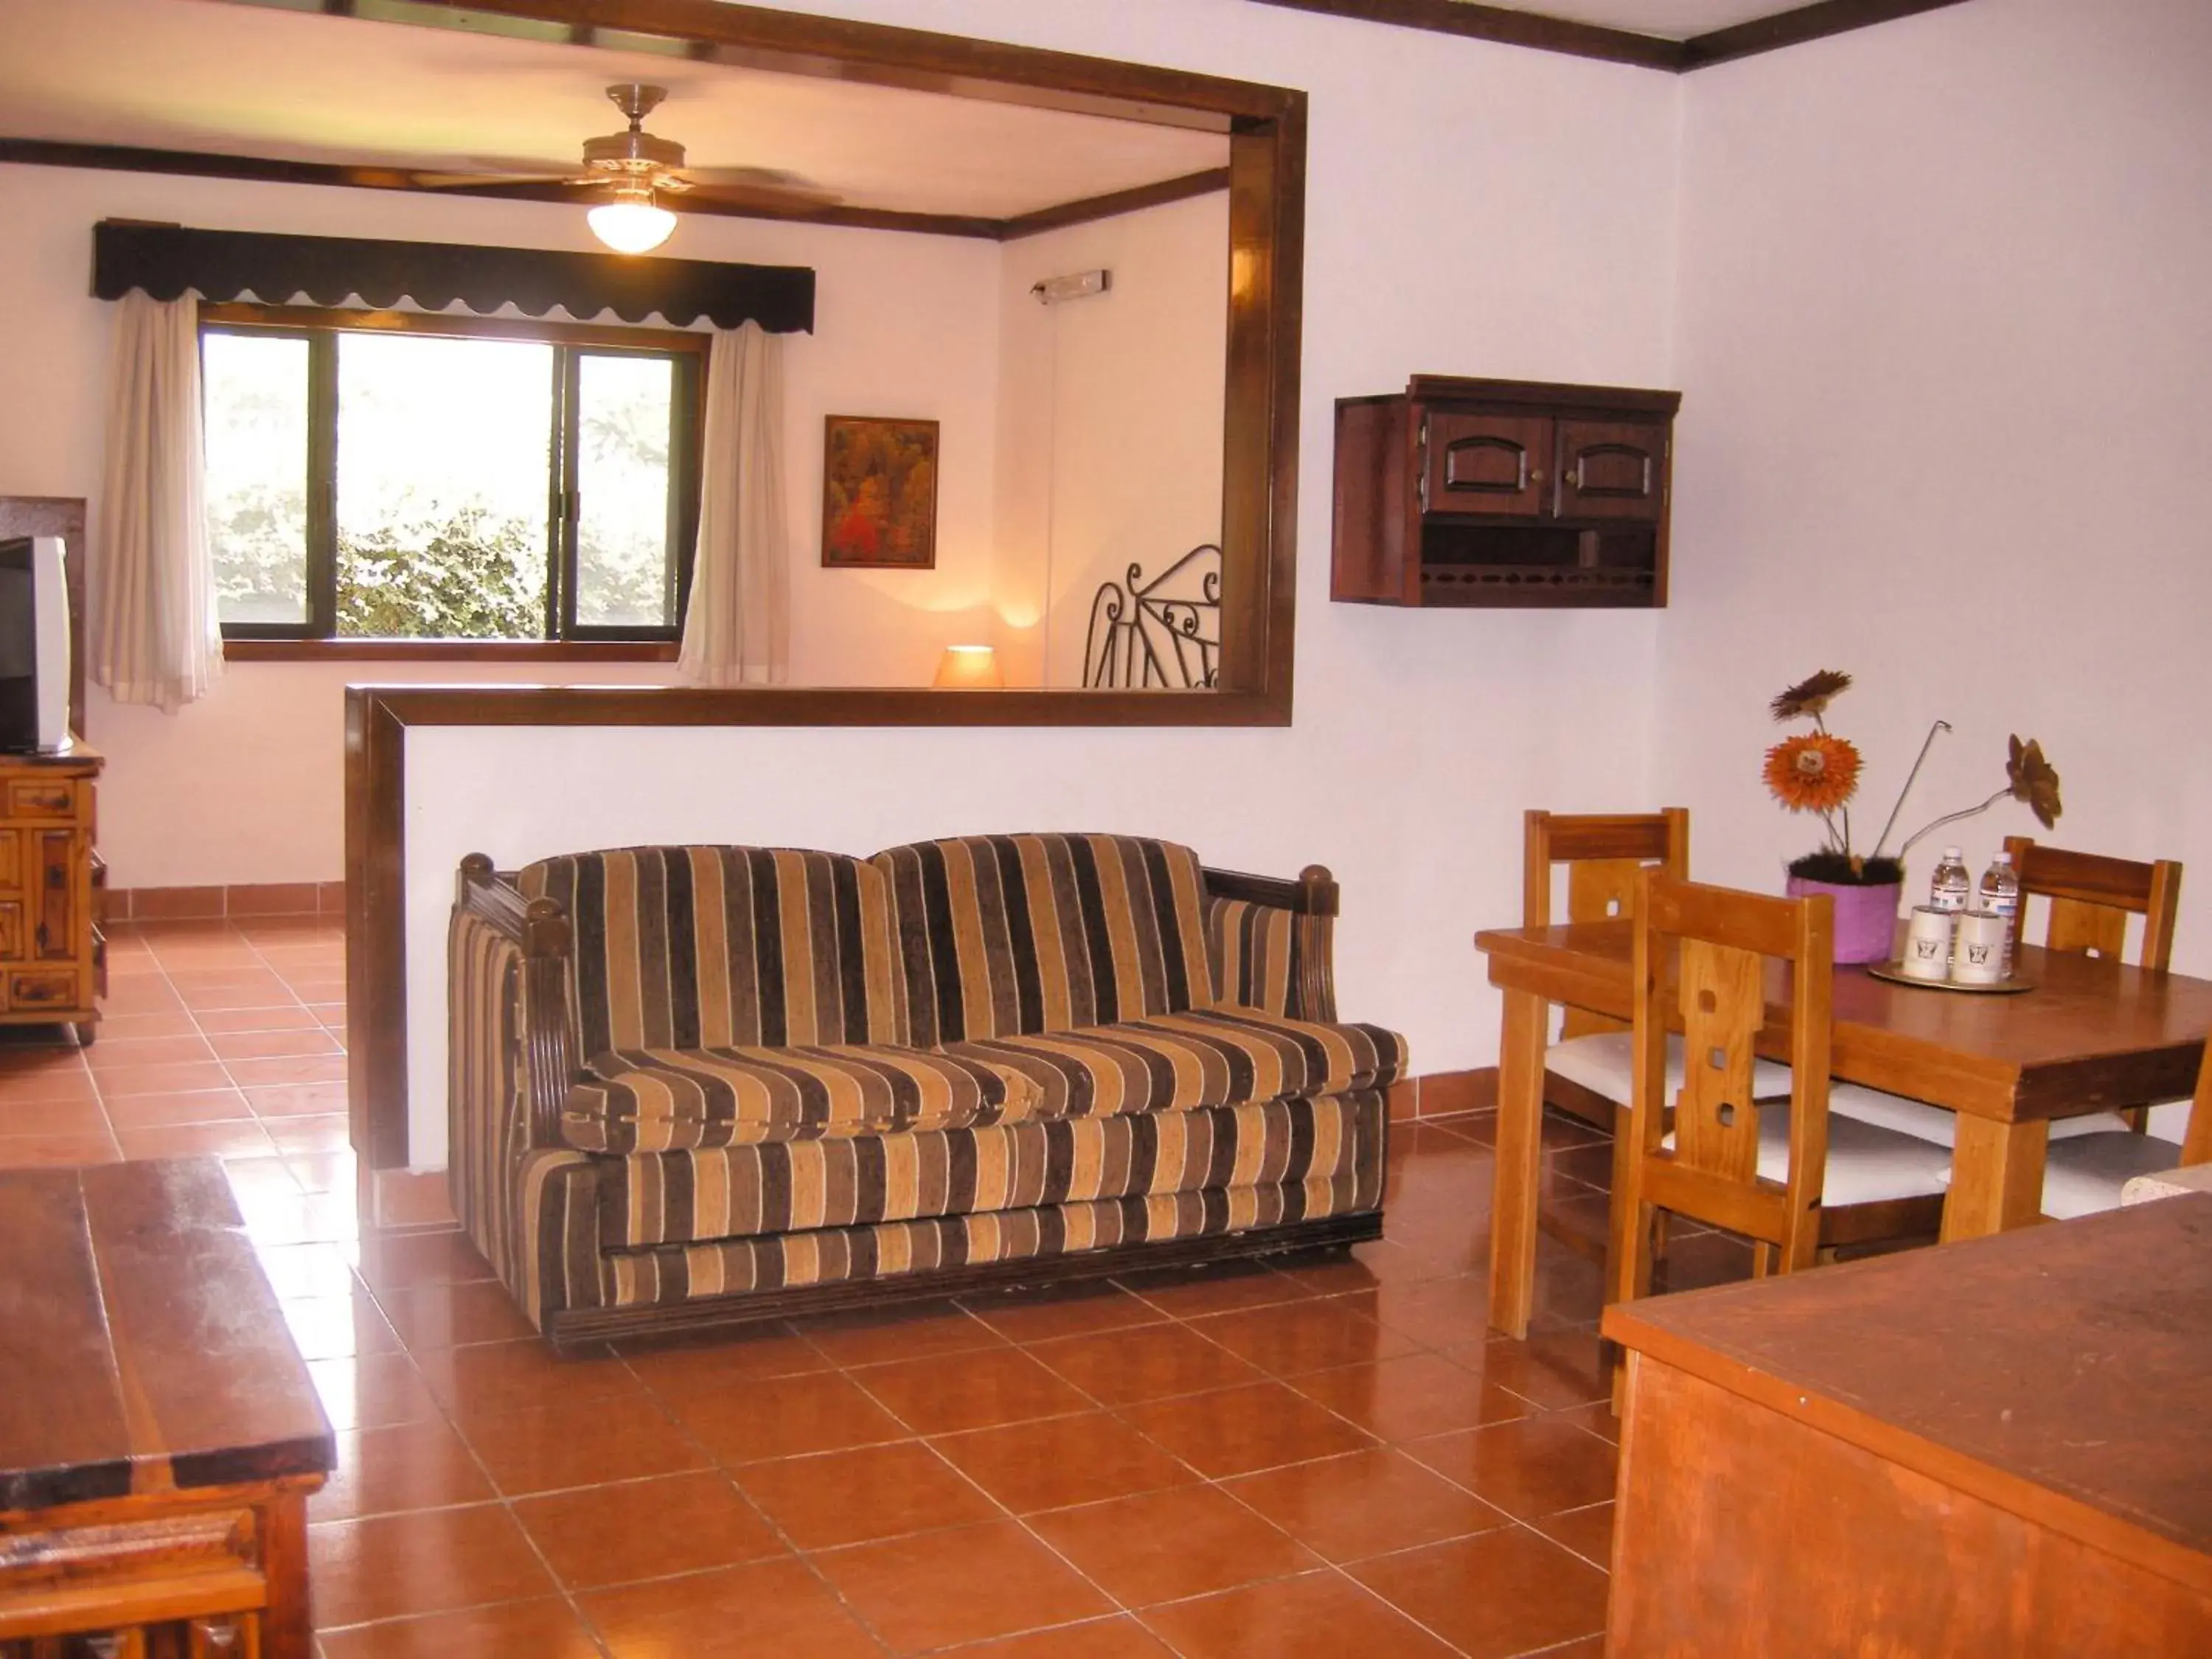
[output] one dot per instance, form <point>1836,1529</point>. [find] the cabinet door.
<point>1493,464</point>
<point>1611,469</point>
<point>53,902</point>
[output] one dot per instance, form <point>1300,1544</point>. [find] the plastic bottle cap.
<point>2002,858</point>
<point>1953,854</point>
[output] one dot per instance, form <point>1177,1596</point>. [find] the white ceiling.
<point>193,74</point>
<point>1674,19</point>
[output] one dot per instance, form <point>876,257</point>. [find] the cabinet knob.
<point>1536,476</point>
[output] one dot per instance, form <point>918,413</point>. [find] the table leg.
<point>1996,1177</point>
<point>287,1624</point>
<point>1513,1190</point>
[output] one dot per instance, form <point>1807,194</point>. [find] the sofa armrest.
<point>545,1037</point>
<point>1270,942</point>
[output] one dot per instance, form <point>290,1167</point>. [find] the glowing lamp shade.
<point>968,667</point>
<point>631,223</point>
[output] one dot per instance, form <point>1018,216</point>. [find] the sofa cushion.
<point>1006,935</point>
<point>735,1266</point>
<point>1182,1062</point>
<point>742,1191</point>
<point>710,947</point>
<point>654,1100</point>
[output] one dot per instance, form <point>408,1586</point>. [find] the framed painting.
<point>879,494</point>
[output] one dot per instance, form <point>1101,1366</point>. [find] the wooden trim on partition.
<point>1113,203</point>
<point>1267,218</point>
<point>1512,27</point>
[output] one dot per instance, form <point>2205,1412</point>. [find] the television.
<point>34,646</point>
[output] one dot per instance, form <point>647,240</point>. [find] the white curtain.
<point>154,637</point>
<point>736,628</point>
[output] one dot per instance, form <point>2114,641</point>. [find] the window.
<point>395,476</point>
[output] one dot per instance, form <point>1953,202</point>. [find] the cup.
<point>1977,954</point>
<point>1928,937</point>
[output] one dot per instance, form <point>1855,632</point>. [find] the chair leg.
<point>1762,1258</point>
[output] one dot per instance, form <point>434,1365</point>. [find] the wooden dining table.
<point>2090,1036</point>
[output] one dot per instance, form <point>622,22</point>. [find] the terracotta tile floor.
<point>1314,1457</point>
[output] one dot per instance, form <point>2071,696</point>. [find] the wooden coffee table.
<point>159,1434</point>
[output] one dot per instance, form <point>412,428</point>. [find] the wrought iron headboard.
<point>1165,632</point>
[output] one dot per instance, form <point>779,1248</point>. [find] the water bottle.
<point>1999,892</point>
<point>1953,885</point>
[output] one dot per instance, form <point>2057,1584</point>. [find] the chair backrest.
<point>1604,853</point>
<point>689,947</point>
<point>1701,954</point>
<point>1007,935</point>
<point>2092,897</point>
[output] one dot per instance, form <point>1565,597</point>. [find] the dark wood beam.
<point>1113,203</point>
<point>1513,27</point>
<point>1793,28</point>
<point>1505,25</point>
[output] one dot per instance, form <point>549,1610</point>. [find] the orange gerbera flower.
<point>1815,772</point>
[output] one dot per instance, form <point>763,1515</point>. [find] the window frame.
<point>564,637</point>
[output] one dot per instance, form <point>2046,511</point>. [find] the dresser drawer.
<point>33,988</point>
<point>41,798</point>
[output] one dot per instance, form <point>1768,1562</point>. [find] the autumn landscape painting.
<point>879,493</point>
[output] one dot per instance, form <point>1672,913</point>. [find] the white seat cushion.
<point>1604,1062</point>
<point>2084,1176</point>
<point>1938,1127</point>
<point>1866,1164</point>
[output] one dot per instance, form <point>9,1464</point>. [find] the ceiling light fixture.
<point>632,222</point>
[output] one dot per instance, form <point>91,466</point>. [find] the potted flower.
<point>1818,772</point>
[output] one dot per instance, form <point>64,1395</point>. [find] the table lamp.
<point>968,668</point>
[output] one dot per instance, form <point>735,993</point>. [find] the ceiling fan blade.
<point>472,180</point>
<point>771,180</point>
<point>772,201</point>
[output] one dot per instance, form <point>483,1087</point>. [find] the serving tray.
<point>1896,975</point>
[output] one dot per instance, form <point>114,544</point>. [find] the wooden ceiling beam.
<point>1512,27</point>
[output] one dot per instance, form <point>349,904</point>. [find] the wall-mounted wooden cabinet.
<point>1502,493</point>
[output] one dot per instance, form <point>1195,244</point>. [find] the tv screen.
<point>35,645</point>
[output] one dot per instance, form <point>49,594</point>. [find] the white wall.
<point>1471,209</point>
<point>1945,334</point>
<point>248,785</point>
<point>1110,419</point>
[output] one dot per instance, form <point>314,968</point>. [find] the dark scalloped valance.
<point>165,260</point>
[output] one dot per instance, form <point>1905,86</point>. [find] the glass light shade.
<point>631,224</point>
<point>969,666</point>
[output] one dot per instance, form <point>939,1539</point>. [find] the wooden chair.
<point>1589,1072</point>
<point>1785,1174</point>
<point>2090,898</point>
<point>2084,1175</point>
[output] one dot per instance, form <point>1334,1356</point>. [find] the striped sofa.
<point>693,1085</point>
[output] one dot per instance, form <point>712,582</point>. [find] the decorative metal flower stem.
<point>1927,744</point>
<point>1953,818</point>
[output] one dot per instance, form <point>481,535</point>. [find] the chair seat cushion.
<point>2084,1176</point>
<point>1180,1062</point>
<point>657,1100</point>
<point>1940,1128</point>
<point>1866,1164</point>
<point>1604,1063</point>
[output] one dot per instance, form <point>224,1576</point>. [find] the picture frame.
<point>878,493</point>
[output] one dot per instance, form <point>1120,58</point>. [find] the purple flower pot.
<point>1866,917</point>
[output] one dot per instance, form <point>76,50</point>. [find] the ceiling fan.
<point>634,167</point>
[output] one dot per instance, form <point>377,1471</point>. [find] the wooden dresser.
<point>159,1432</point>
<point>53,965</point>
<point>1994,1450</point>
